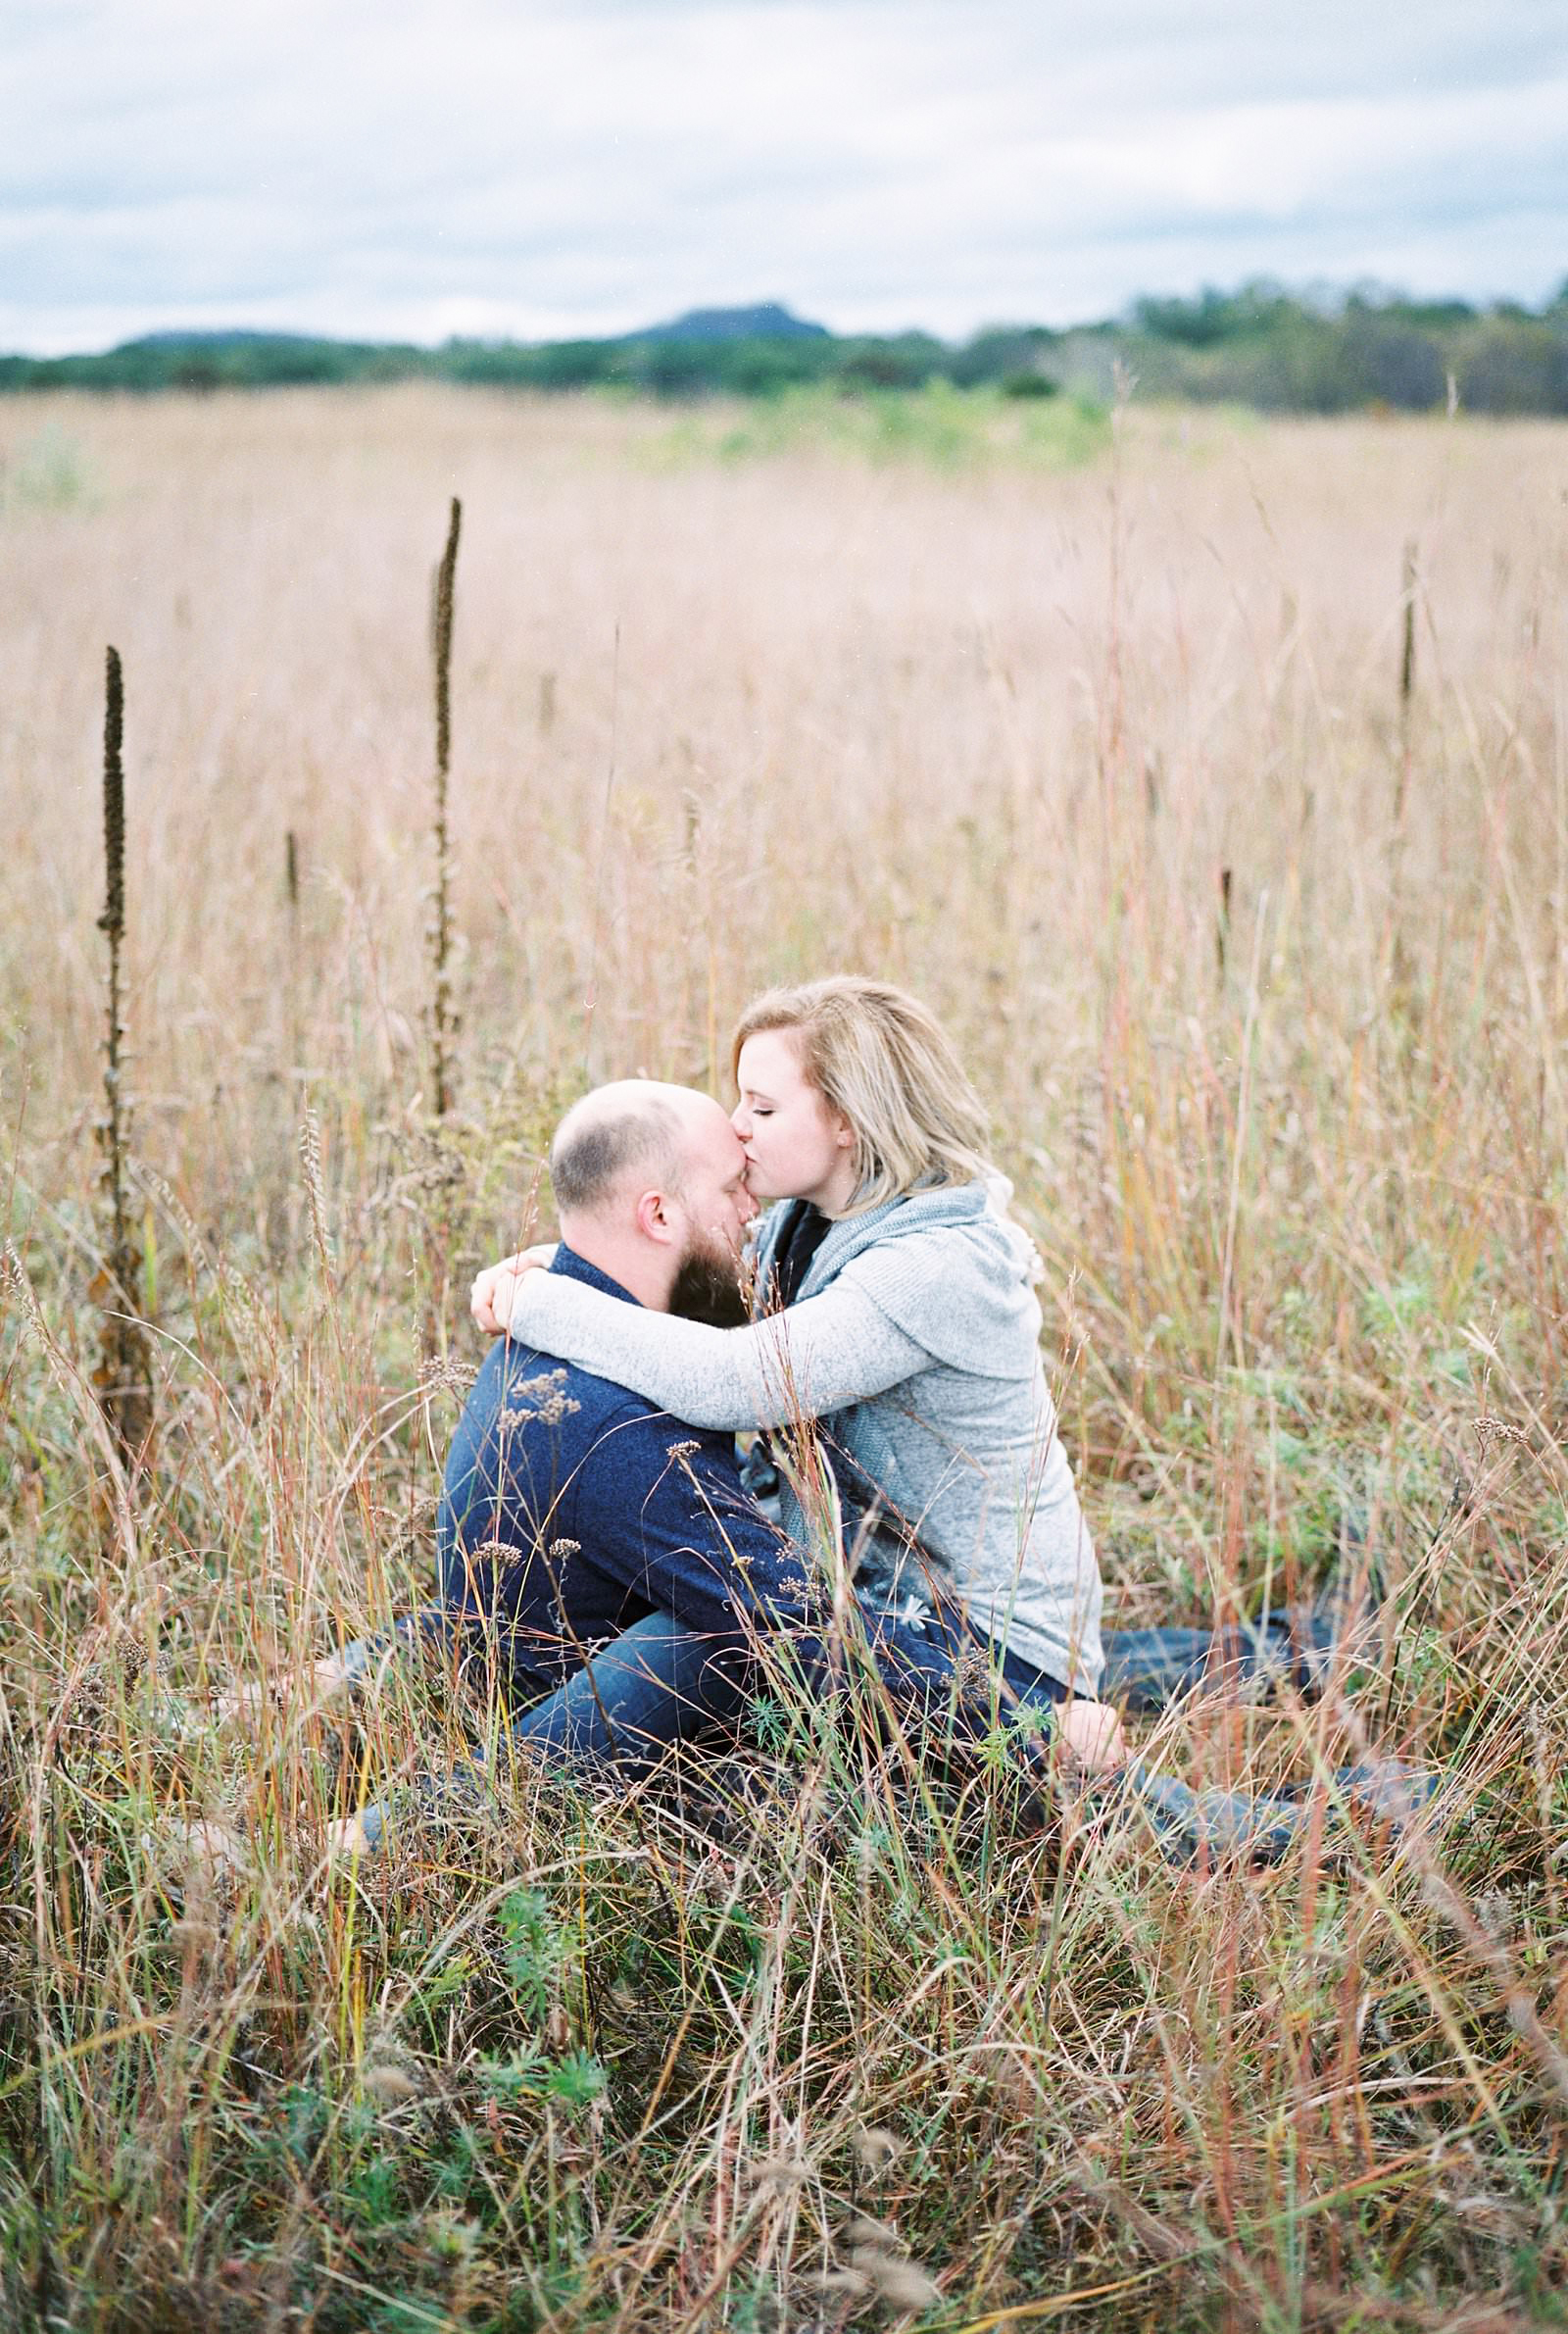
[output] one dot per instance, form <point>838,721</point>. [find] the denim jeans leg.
<point>940,1672</point>
<point>657,1684</point>
<point>1151,1668</point>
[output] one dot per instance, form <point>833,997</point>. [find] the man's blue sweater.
<point>573,1509</point>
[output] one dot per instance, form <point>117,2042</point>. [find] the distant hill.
<point>767,321</point>
<point>218,337</point>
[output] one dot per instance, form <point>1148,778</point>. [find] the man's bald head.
<point>636,1131</point>
<point>651,1187</point>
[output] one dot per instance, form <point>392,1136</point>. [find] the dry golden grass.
<point>993,728</point>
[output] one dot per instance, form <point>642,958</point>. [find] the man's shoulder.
<point>544,1386</point>
<point>610,1413</point>
<point>539,1397</point>
<point>597,1423</point>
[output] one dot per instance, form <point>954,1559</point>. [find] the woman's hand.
<point>1093,1734</point>
<point>348,1837</point>
<point>490,1301</point>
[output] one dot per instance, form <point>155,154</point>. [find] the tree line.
<point>1262,346</point>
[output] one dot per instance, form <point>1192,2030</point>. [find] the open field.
<point>1094,740</point>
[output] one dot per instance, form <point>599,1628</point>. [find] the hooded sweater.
<point>914,1344</point>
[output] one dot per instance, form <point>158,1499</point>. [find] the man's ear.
<point>655,1219</point>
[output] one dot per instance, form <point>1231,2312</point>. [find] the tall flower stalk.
<point>443,1020</point>
<point>123,1376</point>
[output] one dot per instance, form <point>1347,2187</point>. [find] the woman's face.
<point>796,1146</point>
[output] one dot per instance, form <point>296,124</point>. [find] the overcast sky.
<point>540,167</point>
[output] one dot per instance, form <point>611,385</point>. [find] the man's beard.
<point>706,1287</point>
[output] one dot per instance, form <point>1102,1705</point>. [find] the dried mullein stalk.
<point>443,1021</point>
<point>123,1379</point>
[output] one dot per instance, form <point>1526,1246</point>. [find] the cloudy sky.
<point>539,168</point>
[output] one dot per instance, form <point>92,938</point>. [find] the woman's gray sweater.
<point>914,1342</point>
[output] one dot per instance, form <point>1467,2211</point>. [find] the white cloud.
<point>390,167</point>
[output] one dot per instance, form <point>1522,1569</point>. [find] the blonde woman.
<point>895,1307</point>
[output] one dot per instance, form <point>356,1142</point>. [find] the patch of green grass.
<point>938,427</point>
<point>48,471</point>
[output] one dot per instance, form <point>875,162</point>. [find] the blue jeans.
<point>656,1683</point>
<point>660,1683</point>
<point>1151,1668</point>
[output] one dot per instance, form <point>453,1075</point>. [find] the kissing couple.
<point>831,1271</point>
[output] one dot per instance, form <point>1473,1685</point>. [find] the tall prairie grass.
<point>1293,1142</point>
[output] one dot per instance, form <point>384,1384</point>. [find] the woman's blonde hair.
<point>878,1056</point>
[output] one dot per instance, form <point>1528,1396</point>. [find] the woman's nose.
<point>740,1119</point>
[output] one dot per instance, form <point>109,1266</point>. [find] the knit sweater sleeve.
<point>814,1357</point>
